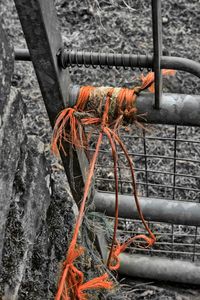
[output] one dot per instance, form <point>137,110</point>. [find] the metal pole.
<point>157,210</point>
<point>176,109</point>
<point>157,46</point>
<point>159,268</point>
<point>40,25</point>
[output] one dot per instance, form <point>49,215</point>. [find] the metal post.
<point>40,25</point>
<point>157,46</point>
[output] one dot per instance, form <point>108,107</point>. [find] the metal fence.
<point>167,163</point>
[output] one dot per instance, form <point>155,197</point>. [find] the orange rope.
<point>67,128</point>
<point>114,154</point>
<point>74,285</point>
<point>67,120</point>
<point>150,240</point>
<point>148,80</point>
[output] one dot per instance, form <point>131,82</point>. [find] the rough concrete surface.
<point>35,218</point>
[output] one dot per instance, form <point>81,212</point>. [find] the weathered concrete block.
<point>11,136</point>
<point>35,218</point>
<point>6,68</point>
<point>11,132</point>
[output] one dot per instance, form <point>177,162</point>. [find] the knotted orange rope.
<point>107,112</point>
<point>71,285</point>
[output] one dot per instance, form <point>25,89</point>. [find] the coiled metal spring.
<point>72,58</point>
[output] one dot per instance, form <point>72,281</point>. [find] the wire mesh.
<point>166,160</point>
<point>173,241</point>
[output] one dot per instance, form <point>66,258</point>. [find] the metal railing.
<point>169,187</point>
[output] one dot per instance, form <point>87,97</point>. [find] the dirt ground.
<point>121,26</point>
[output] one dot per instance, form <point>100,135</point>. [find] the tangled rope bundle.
<point>107,109</point>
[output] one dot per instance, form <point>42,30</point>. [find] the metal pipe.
<point>157,210</point>
<point>158,268</point>
<point>81,58</point>
<point>176,109</point>
<point>157,49</point>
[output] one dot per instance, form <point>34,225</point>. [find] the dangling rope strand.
<point>114,154</point>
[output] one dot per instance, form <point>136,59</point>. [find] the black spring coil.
<point>99,61</point>
<point>149,69</point>
<point>71,58</point>
<point>109,67</point>
<point>138,63</point>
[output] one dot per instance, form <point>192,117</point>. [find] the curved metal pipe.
<point>181,64</point>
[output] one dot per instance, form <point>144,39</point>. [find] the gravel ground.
<point>122,27</point>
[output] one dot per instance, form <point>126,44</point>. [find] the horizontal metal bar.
<point>158,210</point>
<point>176,109</point>
<point>81,58</point>
<point>158,268</point>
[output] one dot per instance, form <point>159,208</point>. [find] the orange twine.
<point>68,123</point>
